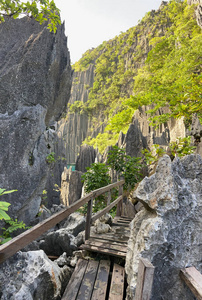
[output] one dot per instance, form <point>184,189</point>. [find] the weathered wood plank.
<point>106,209</point>
<point>193,279</point>
<point>106,245</point>
<point>112,242</point>
<point>103,250</point>
<point>88,219</point>
<point>31,234</point>
<point>111,237</point>
<point>73,286</point>
<point>117,283</point>
<point>100,287</point>
<point>144,280</point>
<point>87,285</point>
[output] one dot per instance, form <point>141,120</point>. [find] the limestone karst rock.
<point>32,275</point>
<point>35,83</point>
<point>167,231</point>
<point>71,186</point>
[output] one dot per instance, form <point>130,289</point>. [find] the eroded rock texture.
<point>167,231</point>
<point>35,82</point>
<point>71,186</point>
<point>32,276</point>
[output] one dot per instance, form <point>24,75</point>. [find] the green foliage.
<point>41,10</point>
<point>4,205</point>
<point>182,147</point>
<point>172,76</point>
<point>50,158</point>
<point>151,157</point>
<point>13,225</point>
<point>124,81</point>
<point>97,176</point>
<point>102,140</point>
<point>126,166</point>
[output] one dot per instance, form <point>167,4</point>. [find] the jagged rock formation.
<point>85,158</point>
<point>35,82</point>
<point>167,231</point>
<point>80,125</point>
<point>71,186</point>
<point>32,275</point>
<point>141,135</point>
<point>77,126</point>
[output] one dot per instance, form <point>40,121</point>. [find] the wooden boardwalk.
<point>112,243</point>
<point>96,280</point>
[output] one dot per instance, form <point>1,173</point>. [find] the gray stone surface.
<point>32,276</point>
<point>65,239</point>
<point>168,230</point>
<point>196,132</point>
<point>71,186</point>
<point>35,67</point>
<point>86,157</point>
<point>35,82</point>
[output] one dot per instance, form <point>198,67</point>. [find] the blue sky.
<point>90,22</point>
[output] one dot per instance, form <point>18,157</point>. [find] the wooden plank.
<point>111,237</point>
<point>193,279</point>
<point>103,250</point>
<point>106,209</point>
<point>144,280</point>
<point>73,286</point>
<point>88,219</point>
<point>113,242</point>
<point>25,238</point>
<point>87,285</point>
<point>100,287</point>
<point>107,245</point>
<point>117,283</point>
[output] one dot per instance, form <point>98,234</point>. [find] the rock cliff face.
<point>167,231</point>
<point>78,126</point>
<point>140,135</point>
<point>35,82</point>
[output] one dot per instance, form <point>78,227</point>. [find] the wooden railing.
<point>22,240</point>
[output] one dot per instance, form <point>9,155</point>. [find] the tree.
<point>40,10</point>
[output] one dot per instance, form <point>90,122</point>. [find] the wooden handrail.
<point>25,238</point>
<point>193,279</point>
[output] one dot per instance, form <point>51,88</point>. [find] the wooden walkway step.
<point>91,280</point>
<point>112,243</point>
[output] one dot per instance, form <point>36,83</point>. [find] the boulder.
<point>167,231</point>
<point>32,276</point>
<point>66,239</point>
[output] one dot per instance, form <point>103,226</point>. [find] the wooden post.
<point>109,198</point>
<point>144,280</point>
<point>88,219</point>
<point>119,206</point>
